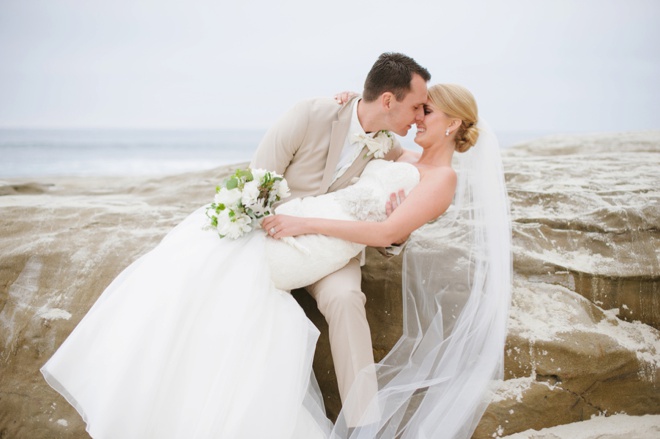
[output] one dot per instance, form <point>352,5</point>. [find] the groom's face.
<point>404,114</point>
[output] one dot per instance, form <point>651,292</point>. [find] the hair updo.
<point>457,101</point>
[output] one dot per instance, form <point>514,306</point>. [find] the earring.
<point>447,132</point>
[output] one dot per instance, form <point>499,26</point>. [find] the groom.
<point>313,147</point>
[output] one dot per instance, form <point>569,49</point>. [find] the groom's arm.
<point>281,142</point>
<point>395,152</point>
<point>395,249</point>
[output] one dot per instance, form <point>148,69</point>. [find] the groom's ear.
<point>386,100</point>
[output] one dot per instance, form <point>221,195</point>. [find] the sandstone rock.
<point>586,213</point>
<point>583,331</point>
<point>583,337</point>
<point>567,360</point>
<point>600,427</point>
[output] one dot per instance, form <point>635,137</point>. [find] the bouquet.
<point>243,198</point>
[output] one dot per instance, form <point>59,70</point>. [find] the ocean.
<point>116,152</point>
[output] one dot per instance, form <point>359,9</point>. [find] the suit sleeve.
<point>394,249</point>
<point>281,142</point>
<point>396,151</point>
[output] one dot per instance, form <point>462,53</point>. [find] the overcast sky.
<point>558,65</point>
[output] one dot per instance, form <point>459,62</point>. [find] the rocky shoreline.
<point>584,335</point>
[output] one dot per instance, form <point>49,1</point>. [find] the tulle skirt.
<point>193,340</point>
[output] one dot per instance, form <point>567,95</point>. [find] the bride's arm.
<point>427,201</point>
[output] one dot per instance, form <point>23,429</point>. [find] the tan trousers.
<point>340,299</point>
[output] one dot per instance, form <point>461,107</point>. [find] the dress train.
<point>193,340</point>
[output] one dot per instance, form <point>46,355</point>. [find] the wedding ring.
<point>272,230</point>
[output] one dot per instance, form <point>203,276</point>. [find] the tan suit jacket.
<point>306,144</point>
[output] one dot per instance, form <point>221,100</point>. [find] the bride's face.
<point>432,128</point>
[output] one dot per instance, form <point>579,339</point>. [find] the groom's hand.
<point>396,198</point>
<point>395,201</point>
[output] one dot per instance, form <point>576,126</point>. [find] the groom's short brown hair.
<point>392,72</point>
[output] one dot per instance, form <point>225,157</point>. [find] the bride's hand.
<point>344,97</point>
<point>281,226</point>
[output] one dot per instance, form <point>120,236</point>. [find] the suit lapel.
<point>353,171</point>
<point>337,140</point>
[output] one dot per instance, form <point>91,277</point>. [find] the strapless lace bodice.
<point>365,200</point>
<point>300,261</point>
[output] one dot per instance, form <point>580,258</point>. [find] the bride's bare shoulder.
<point>438,175</point>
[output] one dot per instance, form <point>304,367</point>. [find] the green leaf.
<point>245,174</point>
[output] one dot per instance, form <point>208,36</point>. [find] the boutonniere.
<point>378,145</point>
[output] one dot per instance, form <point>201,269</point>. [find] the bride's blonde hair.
<point>457,101</point>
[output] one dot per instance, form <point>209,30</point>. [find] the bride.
<point>199,338</point>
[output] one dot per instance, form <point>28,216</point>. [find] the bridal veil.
<point>456,292</point>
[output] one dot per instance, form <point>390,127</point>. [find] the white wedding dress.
<point>200,339</point>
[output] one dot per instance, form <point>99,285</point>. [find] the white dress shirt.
<point>351,150</point>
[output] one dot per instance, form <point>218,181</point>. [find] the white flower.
<point>228,197</point>
<point>250,193</point>
<point>283,189</point>
<point>259,210</point>
<point>385,143</point>
<point>236,210</point>
<point>222,218</point>
<point>233,228</point>
<point>258,175</point>
<point>378,145</point>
